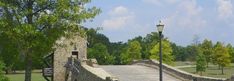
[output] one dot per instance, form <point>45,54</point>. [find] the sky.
<point>122,20</point>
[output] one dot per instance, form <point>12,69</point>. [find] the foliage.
<point>221,55</point>
<point>166,52</point>
<point>148,43</point>
<point>115,49</point>
<point>93,37</point>
<point>179,52</point>
<point>35,25</point>
<point>207,49</point>
<point>231,52</point>
<point>6,53</point>
<point>200,62</point>
<point>133,52</point>
<point>2,77</point>
<point>192,51</point>
<point>99,51</point>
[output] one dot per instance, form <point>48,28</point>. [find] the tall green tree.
<point>200,62</point>
<point>100,52</point>
<point>168,58</point>
<point>192,49</point>
<point>148,43</point>
<point>115,49</point>
<point>94,37</point>
<point>221,56</point>
<point>179,52</point>
<point>207,49</point>
<point>231,51</point>
<point>133,52</point>
<point>35,25</point>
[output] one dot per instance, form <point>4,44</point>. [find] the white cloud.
<point>188,14</point>
<point>117,22</point>
<point>120,10</point>
<point>190,7</point>
<point>161,2</point>
<point>119,17</point>
<point>225,9</point>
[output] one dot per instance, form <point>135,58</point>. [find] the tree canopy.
<point>221,55</point>
<point>132,52</point>
<point>200,62</point>
<point>33,26</point>
<point>168,58</point>
<point>207,49</point>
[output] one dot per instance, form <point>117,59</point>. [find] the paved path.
<point>136,73</point>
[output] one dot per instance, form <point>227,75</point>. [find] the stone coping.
<point>96,71</point>
<point>185,76</point>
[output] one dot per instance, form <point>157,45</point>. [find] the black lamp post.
<point>160,27</point>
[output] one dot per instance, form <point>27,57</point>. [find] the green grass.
<point>180,63</point>
<point>20,77</point>
<point>213,71</point>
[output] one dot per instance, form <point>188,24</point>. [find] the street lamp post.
<point>160,27</point>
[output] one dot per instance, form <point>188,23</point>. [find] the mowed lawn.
<point>36,76</point>
<point>211,71</point>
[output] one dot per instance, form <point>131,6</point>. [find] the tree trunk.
<point>8,70</point>
<point>28,68</point>
<point>222,69</point>
<point>28,60</point>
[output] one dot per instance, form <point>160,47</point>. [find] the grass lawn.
<point>36,76</point>
<point>213,71</point>
<point>180,63</point>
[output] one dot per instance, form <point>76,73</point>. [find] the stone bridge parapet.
<point>185,76</point>
<point>90,73</point>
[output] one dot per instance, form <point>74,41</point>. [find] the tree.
<point>35,25</point>
<point>140,40</point>
<point>2,78</point>
<point>7,50</point>
<point>99,51</point>
<point>179,52</point>
<point>94,37</point>
<point>148,43</point>
<point>192,50</point>
<point>231,51</point>
<point>207,49</point>
<point>115,49</point>
<point>221,55</point>
<point>166,52</point>
<point>133,52</point>
<point>200,62</point>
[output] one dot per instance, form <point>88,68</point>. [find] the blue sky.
<point>125,19</point>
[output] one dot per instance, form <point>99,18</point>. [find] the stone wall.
<point>185,76</point>
<point>64,49</point>
<point>232,78</point>
<point>88,73</point>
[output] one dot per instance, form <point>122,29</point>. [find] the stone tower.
<point>64,50</point>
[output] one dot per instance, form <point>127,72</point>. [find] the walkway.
<point>136,73</point>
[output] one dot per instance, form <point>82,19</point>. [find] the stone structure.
<point>185,76</point>
<point>69,68</point>
<point>89,73</point>
<point>64,50</point>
